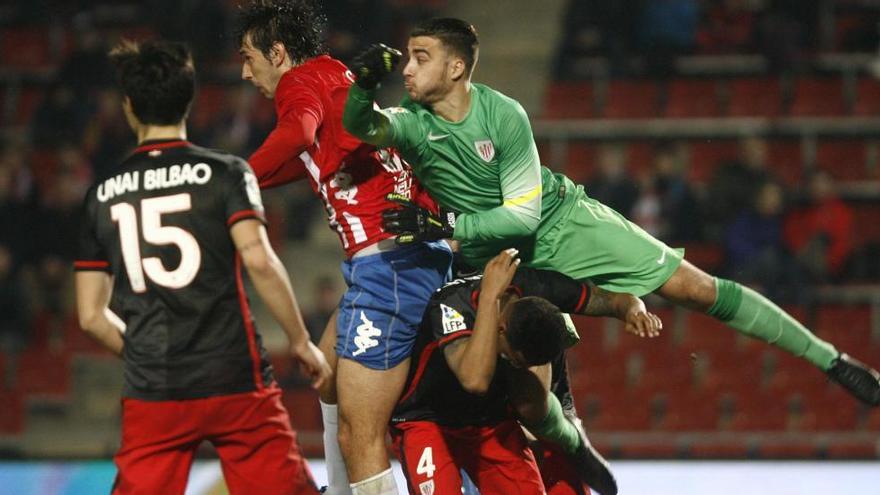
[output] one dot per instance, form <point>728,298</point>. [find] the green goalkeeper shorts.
<point>592,241</point>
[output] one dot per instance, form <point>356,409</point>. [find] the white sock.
<point>337,477</point>
<point>380,484</point>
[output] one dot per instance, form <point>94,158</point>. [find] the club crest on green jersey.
<point>485,149</point>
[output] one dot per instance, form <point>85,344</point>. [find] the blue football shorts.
<point>380,313</point>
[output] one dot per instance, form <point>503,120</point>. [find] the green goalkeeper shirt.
<point>485,167</point>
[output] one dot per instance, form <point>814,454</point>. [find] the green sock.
<point>555,428</point>
<point>756,316</point>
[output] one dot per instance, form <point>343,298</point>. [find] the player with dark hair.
<point>166,236</point>
<point>472,148</point>
<point>388,285</point>
<point>479,337</point>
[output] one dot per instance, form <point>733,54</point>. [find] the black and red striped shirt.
<point>432,391</point>
<point>160,225</point>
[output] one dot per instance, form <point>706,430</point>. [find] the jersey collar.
<point>158,144</point>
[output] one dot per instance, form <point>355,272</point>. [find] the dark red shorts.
<point>250,431</point>
<point>497,458</point>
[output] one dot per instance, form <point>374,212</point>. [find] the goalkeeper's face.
<point>431,71</point>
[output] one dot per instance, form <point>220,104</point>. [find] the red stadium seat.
<point>26,104</point>
<point>868,97</point>
<point>631,99</point>
<point>79,342</point>
<point>706,333</point>
<point>844,325</point>
<point>720,450</point>
<point>43,373</point>
<point>706,155</point>
<point>759,410</point>
<point>834,410</point>
<point>755,97</point>
<point>872,421</point>
<point>796,450</point>
<point>855,449</point>
<point>649,451</point>
<point>844,159</point>
<point>12,417</point>
<point>626,410</point>
<point>24,47</point>
<point>692,410</point>
<point>784,160</point>
<point>692,98</point>
<point>210,100</point>
<point>580,165</point>
<point>818,97</point>
<point>706,255</point>
<point>568,100</point>
<point>867,218</point>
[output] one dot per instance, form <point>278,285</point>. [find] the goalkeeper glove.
<point>373,64</point>
<point>412,223</point>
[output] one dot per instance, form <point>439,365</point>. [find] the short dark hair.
<point>457,35</point>
<point>158,77</point>
<point>536,328</point>
<point>296,24</point>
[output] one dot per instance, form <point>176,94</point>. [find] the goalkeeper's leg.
<point>754,315</point>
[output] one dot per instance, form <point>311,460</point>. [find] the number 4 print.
<point>426,463</point>
<point>154,233</point>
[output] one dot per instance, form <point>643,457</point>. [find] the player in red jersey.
<point>166,236</point>
<point>388,286</point>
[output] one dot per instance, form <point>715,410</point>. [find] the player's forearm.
<point>104,331</point>
<point>607,303</point>
<point>501,222</point>
<point>273,286</point>
<point>363,121</point>
<point>476,368</point>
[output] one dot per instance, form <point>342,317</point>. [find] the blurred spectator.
<point>596,28</point>
<point>646,211</point>
<point>667,30</point>
<point>820,231</point>
<point>201,23</point>
<point>734,184</point>
<point>59,118</point>
<point>56,229</point>
<point>87,68</point>
<point>678,202</point>
<point>240,125</point>
<point>667,207</point>
<point>17,202</point>
<point>355,24</point>
<point>754,245</point>
<point>107,138</point>
<point>15,313</point>
<point>784,32</point>
<point>325,300</point>
<point>728,27</point>
<point>612,184</point>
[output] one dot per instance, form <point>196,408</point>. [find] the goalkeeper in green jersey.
<point>472,148</point>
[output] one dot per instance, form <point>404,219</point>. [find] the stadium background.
<point>746,131</point>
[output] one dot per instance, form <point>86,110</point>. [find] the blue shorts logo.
<point>366,336</point>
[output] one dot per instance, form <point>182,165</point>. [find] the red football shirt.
<point>350,176</point>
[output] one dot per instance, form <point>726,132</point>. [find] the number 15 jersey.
<point>160,227</point>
